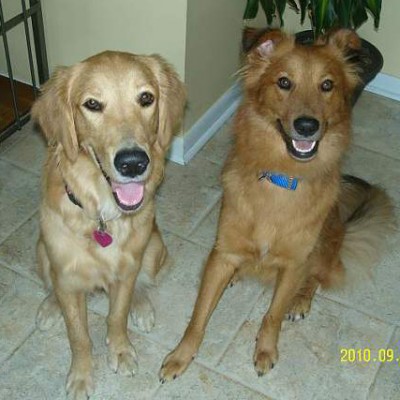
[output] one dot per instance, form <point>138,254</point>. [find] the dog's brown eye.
<point>327,85</point>
<point>146,99</point>
<point>93,105</point>
<point>284,83</point>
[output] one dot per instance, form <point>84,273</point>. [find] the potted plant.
<point>325,15</point>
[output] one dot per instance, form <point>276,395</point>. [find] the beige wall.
<point>212,51</point>
<point>76,29</point>
<point>386,39</point>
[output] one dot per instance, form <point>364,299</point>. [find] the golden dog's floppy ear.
<point>53,112</point>
<point>172,100</point>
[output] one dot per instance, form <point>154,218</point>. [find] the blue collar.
<point>281,180</point>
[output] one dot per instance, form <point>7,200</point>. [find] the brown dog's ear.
<point>344,39</point>
<point>53,112</point>
<point>172,100</point>
<point>261,42</point>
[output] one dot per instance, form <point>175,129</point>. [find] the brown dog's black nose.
<point>306,126</point>
<point>131,162</point>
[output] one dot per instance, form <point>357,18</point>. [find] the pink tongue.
<point>304,145</point>
<point>129,194</point>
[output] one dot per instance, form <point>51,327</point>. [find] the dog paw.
<point>48,314</point>
<point>299,310</point>
<point>264,360</point>
<point>174,365</point>
<point>143,315</point>
<point>80,384</point>
<point>122,358</point>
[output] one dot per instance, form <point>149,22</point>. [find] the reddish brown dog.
<point>286,212</point>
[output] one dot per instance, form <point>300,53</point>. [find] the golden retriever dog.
<point>287,213</point>
<point>109,121</point>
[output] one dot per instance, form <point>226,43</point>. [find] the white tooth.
<point>302,150</point>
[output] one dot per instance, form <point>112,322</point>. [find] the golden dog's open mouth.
<point>129,196</point>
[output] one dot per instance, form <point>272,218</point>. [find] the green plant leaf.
<point>280,7</point>
<point>251,9</point>
<point>359,14</point>
<point>343,11</point>
<point>320,10</point>
<point>269,10</point>
<point>303,10</point>
<point>293,5</point>
<point>375,7</point>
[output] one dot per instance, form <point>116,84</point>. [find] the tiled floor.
<point>33,364</point>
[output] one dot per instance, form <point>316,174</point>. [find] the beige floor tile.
<point>39,368</point>
<point>18,308</point>
<point>376,124</point>
<point>187,195</point>
<point>19,197</point>
<point>217,149</point>
<point>28,153</point>
<point>309,364</point>
<point>200,383</point>
<point>205,232</point>
<point>378,294</point>
<point>376,169</point>
<point>387,382</point>
<point>18,251</point>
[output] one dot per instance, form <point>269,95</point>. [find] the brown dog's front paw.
<point>174,365</point>
<point>264,360</point>
<point>80,384</point>
<point>122,358</point>
<point>300,308</point>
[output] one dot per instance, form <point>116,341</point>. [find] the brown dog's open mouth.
<point>129,196</point>
<point>302,150</point>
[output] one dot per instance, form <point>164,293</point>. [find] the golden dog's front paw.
<point>49,313</point>
<point>122,358</point>
<point>174,365</point>
<point>264,360</point>
<point>80,384</point>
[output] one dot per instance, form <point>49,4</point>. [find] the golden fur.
<point>296,237</point>
<point>83,146</point>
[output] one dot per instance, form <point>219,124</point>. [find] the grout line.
<point>21,274</point>
<point>381,364</point>
<point>23,222</point>
<point>240,325</point>
<point>23,341</point>
<point>22,168</point>
<point>372,151</point>
<point>359,310</point>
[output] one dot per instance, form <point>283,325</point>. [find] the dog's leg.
<point>218,272</point>
<point>288,282</point>
<point>121,354</point>
<point>154,259</point>
<point>301,303</point>
<point>80,381</point>
<point>49,312</point>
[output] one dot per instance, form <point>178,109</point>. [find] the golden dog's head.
<point>303,91</point>
<point>120,108</point>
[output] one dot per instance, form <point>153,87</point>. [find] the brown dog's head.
<point>122,109</point>
<point>302,91</point>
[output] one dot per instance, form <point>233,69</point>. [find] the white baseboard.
<point>385,85</point>
<point>185,147</point>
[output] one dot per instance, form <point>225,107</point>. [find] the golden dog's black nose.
<point>131,162</point>
<point>306,126</point>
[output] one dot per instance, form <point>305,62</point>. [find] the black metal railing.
<point>32,12</point>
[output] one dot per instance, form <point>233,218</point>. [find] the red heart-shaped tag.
<point>103,238</point>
